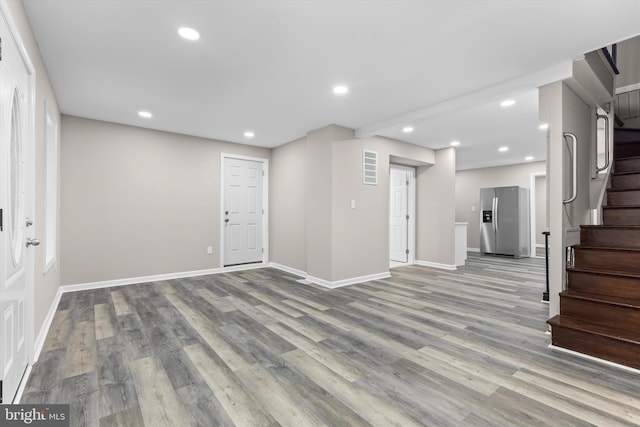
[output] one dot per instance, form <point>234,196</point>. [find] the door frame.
<point>411,211</point>
<point>532,211</point>
<point>30,187</point>
<point>265,206</point>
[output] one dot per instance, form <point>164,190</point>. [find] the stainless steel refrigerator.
<point>504,221</point>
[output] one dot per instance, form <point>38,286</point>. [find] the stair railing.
<point>611,55</point>
<point>545,294</point>
<point>606,143</point>
<point>574,167</point>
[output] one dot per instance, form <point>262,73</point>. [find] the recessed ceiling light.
<point>340,90</point>
<point>543,126</point>
<point>503,149</point>
<point>507,103</point>
<point>455,143</point>
<point>249,134</point>
<point>189,33</point>
<point>407,129</point>
<point>145,114</point>
<point>528,158</point>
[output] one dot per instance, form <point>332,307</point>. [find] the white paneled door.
<point>15,205</point>
<point>243,211</point>
<point>399,209</point>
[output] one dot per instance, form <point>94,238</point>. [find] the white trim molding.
<point>46,324</point>
<point>287,269</point>
<point>628,88</point>
<point>327,283</point>
<point>473,249</point>
<point>23,384</point>
<point>532,210</point>
<point>137,280</point>
<point>436,265</point>
<point>594,359</point>
<point>347,282</point>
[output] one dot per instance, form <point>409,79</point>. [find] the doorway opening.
<point>402,207</point>
<point>538,206</point>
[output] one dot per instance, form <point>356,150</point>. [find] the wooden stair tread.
<point>605,272</point>
<point>622,207</point>
<point>614,227</point>
<point>603,299</point>
<point>607,248</point>
<point>625,173</point>
<point>618,190</point>
<point>629,157</point>
<point>595,328</point>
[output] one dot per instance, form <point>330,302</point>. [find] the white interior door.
<point>15,204</point>
<point>399,210</point>
<point>243,211</point>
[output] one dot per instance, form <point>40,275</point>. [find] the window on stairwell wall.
<point>51,188</point>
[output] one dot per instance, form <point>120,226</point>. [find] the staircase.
<point>600,310</point>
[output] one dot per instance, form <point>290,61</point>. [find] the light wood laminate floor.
<point>256,348</point>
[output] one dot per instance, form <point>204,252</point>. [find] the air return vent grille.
<point>369,167</point>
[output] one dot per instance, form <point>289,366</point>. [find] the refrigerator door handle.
<point>495,214</point>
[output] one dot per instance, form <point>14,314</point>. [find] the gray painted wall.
<point>324,172</point>
<point>139,202</point>
<point>565,111</point>
<point>468,185</point>
<point>361,235</point>
<point>628,60</point>
<point>319,199</point>
<point>288,205</point>
<point>436,209</point>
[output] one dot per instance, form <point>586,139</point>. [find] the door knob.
<point>32,242</point>
<point>28,222</point>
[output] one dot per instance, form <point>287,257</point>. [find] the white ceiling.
<point>269,66</point>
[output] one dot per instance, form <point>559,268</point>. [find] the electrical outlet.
<point>473,208</point>
<point>209,250</point>
<point>353,204</point>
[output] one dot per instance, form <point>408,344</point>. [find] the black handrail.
<point>612,57</point>
<point>545,294</point>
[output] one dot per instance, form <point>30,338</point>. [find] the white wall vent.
<point>369,167</point>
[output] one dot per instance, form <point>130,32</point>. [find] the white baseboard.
<point>287,269</point>
<point>159,277</point>
<point>327,283</point>
<point>346,282</point>
<point>23,385</point>
<point>594,359</point>
<point>539,245</point>
<point>137,280</point>
<point>44,329</point>
<point>473,250</point>
<point>436,265</point>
